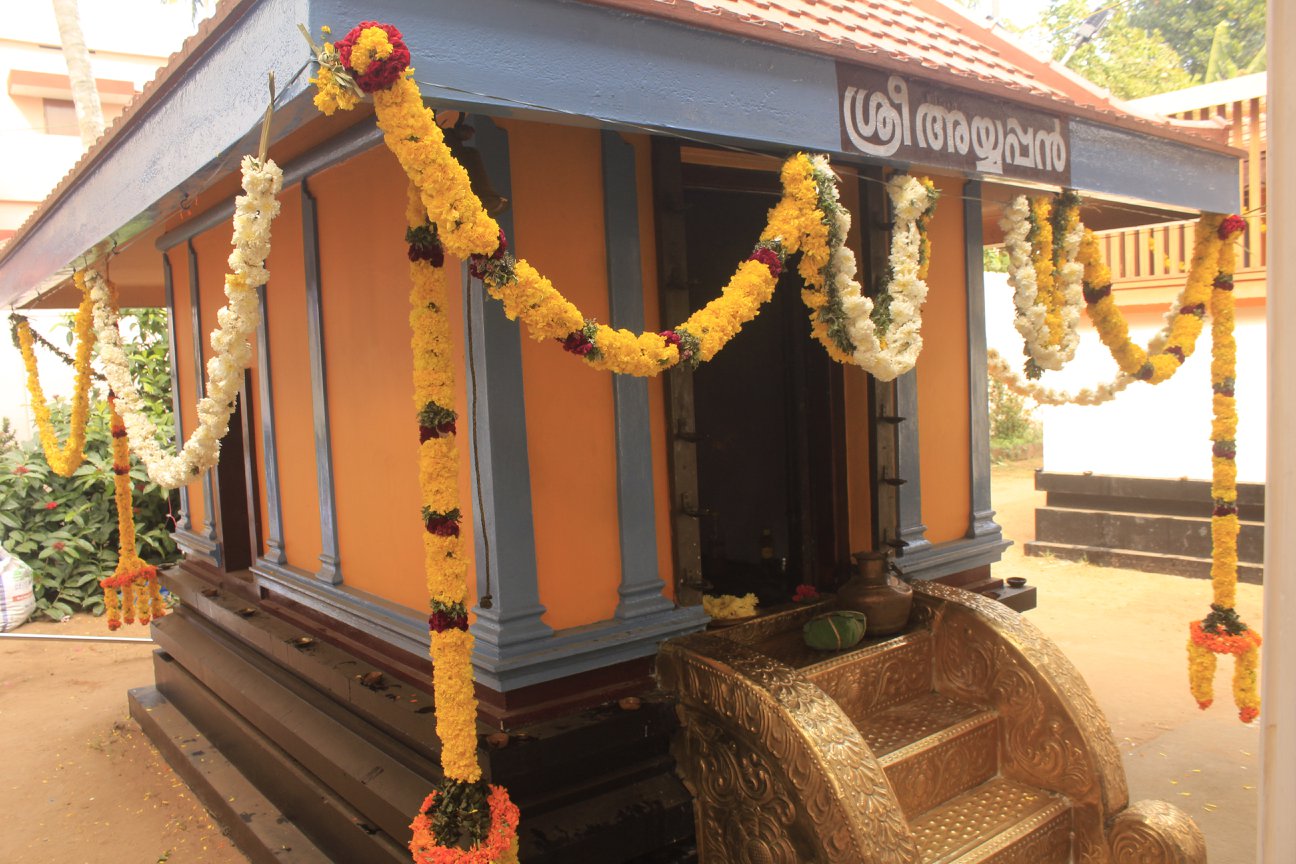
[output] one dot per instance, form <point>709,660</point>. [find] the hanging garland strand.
<point>464,819</point>
<point>1223,631</point>
<point>64,459</point>
<point>1002,372</point>
<point>1158,362</point>
<point>882,338</point>
<point>131,592</point>
<point>254,212</point>
<point>1042,238</point>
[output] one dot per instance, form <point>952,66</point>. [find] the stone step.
<point>877,676</point>
<point>1165,534</point>
<point>934,748</point>
<point>1133,559</point>
<point>998,822</point>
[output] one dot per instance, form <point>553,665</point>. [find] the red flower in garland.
<point>577,343</point>
<point>769,258</point>
<point>1230,226</point>
<point>671,337</point>
<point>438,431</point>
<point>477,263</point>
<point>380,73</point>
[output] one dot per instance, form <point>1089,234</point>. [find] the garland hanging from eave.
<point>1222,631</point>
<point>882,336</point>
<point>66,458</point>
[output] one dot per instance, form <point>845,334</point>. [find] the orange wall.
<point>365,298</point>
<point>943,376</point>
<point>289,354</point>
<point>184,368</point>
<point>213,249</point>
<point>558,219</point>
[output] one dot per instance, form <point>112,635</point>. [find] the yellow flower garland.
<point>796,224</point>
<point>1042,253</point>
<point>133,578</point>
<point>1187,324</point>
<point>1222,631</point>
<point>65,459</point>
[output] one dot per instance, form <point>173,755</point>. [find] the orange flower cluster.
<point>131,592</point>
<point>501,844</point>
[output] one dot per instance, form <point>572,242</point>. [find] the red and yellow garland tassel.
<point>1187,324</point>
<point>131,592</point>
<point>462,811</point>
<point>64,459</point>
<point>1222,631</point>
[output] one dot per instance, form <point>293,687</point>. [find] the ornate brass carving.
<point>792,734</point>
<point>1154,832</point>
<point>867,681</point>
<point>927,773</point>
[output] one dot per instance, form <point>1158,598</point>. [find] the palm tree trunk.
<point>85,96</point>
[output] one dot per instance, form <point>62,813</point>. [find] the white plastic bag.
<point>16,598</point>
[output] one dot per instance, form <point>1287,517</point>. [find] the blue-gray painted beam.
<point>1124,164</point>
<point>188,134</point>
<point>981,521</point>
<point>497,440</point>
<point>168,288</point>
<point>269,444</point>
<point>330,569</point>
<point>573,62</point>
<point>200,390</point>
<point>641,585</point>
<point>351,142</point>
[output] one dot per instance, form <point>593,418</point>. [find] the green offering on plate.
<point>834,631</point>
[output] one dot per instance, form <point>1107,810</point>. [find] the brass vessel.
<point>883,597</point>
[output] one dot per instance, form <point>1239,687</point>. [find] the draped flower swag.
<point>237,321</point>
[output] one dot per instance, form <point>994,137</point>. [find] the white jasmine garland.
<point>254,213</point>
<point>1032,321</point>
<point>889,354</point>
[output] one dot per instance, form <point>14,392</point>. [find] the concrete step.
<point>1132,559</point>
<point>998,822</point>
<point>1187,536</point>
<point>933,749</point>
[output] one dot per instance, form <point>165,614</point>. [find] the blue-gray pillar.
<point>981,522</point>
<point>641,584</point>
<point>910,528</point>
<point>168,286</point>
<point>504,532</point>
<point>330,570</point>
<point>269,446</point>
<point>200,390</point>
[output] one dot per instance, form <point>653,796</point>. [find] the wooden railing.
<point>1156,252</point>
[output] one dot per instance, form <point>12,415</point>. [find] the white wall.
<point>1158,430</point>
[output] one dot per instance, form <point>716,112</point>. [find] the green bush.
<point>1011,425</point>
<point>66,527</point>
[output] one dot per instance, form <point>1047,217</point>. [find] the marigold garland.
<point>1159,362</point>
<point>449,813</point>
<point>64,459</point>
<point>135,580</point>
<point>1222,631</point>
<point>805,220</point>
<point>1042,239</point>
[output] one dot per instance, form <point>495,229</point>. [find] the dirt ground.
<point>82,784</point>
<point>1126,632</point>
<point>91,788</point>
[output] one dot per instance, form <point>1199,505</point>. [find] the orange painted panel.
<point>558,217</point>
<point>213,249</point>
<point>290,377</point>
<point>943,420</point>
<point>365,299</point>
<point>184,368</point>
